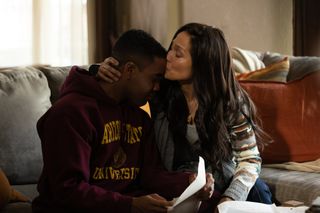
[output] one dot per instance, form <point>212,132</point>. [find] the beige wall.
<point>174,10</point>
<point>260,25</point>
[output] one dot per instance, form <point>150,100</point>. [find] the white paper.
<point>252,207</point>
<point>300,209</point>
<point>187,203</point>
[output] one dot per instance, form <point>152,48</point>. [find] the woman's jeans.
<point>260,193</point>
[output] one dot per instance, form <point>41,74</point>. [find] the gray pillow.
<point>56,77</point>
<point>24,95</point>
<point>299,65</point>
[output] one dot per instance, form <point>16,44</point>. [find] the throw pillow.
<point>274,72</point>
<point>290,115</point>
<point>7,193</point>
<point>244,61</point>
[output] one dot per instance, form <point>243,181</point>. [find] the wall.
<point>160,18</point>
<point>174,10</point>
<point>260,25</point>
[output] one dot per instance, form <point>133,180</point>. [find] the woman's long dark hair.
<point>220,97</point>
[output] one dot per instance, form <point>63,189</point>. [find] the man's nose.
<point>156,87</point>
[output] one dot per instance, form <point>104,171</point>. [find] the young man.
<point>98,145</point>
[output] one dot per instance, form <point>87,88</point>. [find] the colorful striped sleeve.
<point>247,159</point>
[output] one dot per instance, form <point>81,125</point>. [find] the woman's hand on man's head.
<point>107,71</point>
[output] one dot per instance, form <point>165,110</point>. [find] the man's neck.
<point>114,90</point>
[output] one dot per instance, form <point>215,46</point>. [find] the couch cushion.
<point>290,115</point>
<point>17,207</point>
<point>292,185</point>
<point>24,95</point>
<point>56,77</point>
<point>29,190</point>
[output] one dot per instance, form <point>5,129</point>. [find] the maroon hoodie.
<point>98,154</point>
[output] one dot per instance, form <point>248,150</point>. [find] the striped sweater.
<point>239,174</point>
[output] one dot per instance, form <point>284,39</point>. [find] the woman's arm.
<point>247,159</point>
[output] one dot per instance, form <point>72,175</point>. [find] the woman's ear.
<point>129,69</point>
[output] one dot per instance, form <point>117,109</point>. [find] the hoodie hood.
<point>80,81</point>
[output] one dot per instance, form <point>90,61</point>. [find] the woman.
<point>202,110</point>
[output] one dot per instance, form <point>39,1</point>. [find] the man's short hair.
<point>137,46</point>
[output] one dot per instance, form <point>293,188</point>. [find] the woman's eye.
<point>179,54</point>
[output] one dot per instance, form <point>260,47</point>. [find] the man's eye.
<point>157,79</point>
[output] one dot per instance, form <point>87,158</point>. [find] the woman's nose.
<point>169,55</point>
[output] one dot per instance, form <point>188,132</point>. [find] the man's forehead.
<point>157,67</point>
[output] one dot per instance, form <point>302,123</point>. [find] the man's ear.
<point>129,69</point>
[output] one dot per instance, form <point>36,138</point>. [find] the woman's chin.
<point>168,76</point>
